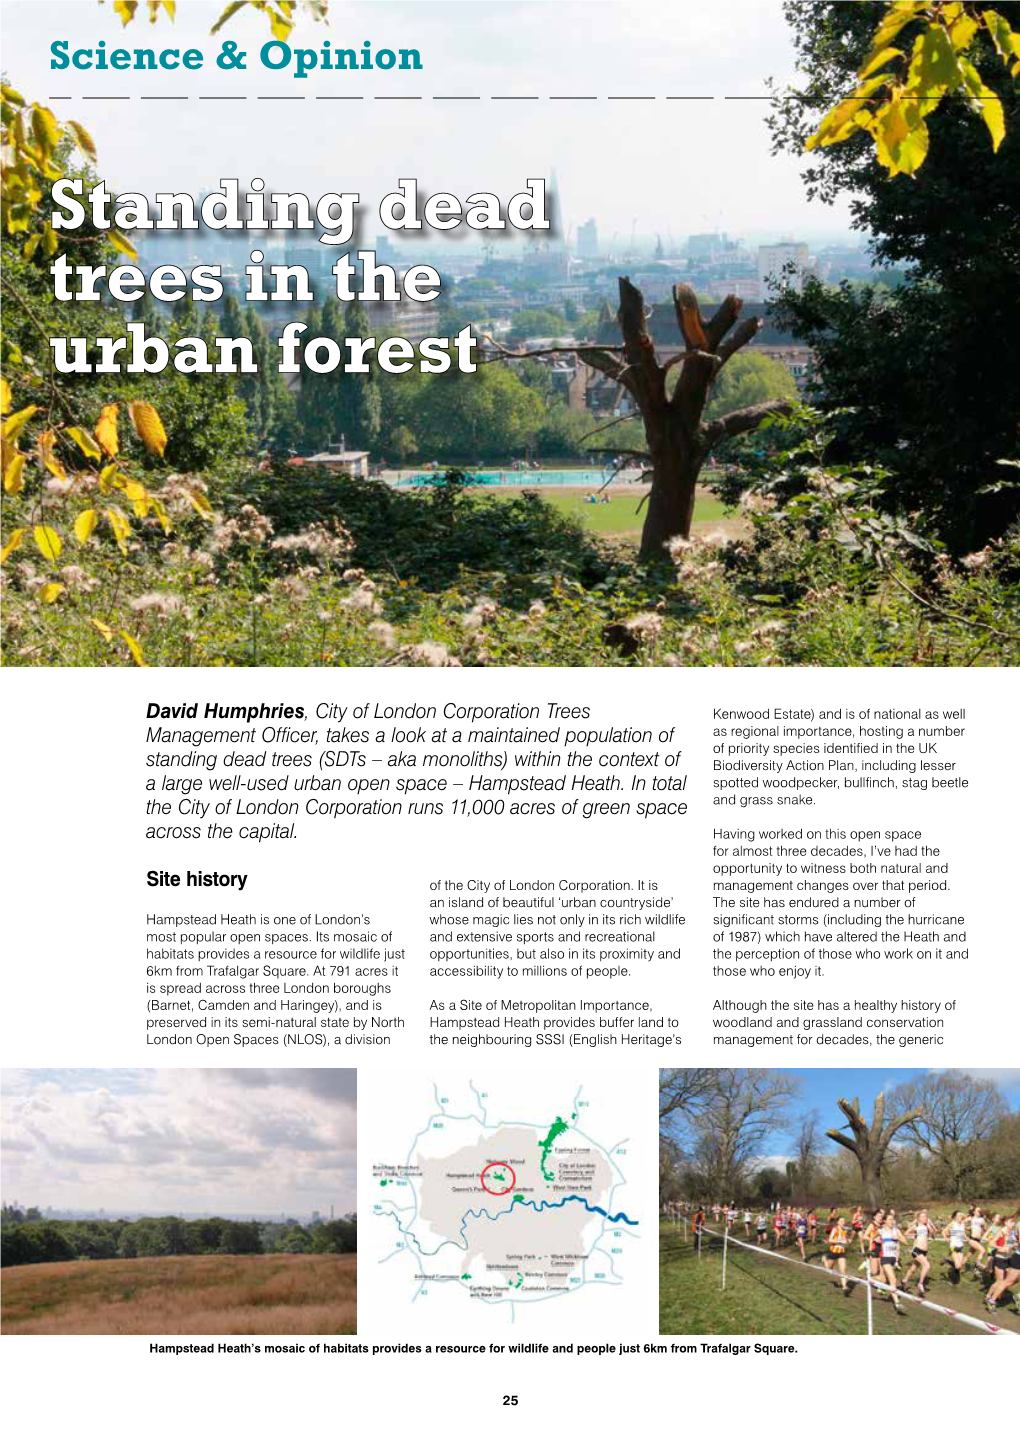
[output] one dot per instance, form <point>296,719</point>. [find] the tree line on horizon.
<point>27,1237</point>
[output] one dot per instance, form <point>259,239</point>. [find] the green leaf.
<point>1005,40</point>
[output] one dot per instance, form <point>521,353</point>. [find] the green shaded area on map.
<point>557,1129</point>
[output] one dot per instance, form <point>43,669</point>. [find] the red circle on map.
<point>503,1167</point>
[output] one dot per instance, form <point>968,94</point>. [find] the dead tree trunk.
<point>869,1144</point>
<point>679,439</point>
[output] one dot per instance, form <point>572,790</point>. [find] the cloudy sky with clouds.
<point>670,165</point>
<point>231,1142</point>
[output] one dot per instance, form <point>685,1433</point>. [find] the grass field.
<point>200,1296</point>
<point>768,1296</point>
<point>621,516</point>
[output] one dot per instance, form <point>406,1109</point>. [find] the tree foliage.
<point>925,378</point>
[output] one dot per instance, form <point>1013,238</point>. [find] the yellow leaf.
<point>104,630</point>
<point>48,455</point>
<point>108,478</point>
<point>45,128</point>
<point>5,395</point>
<point>49,593</point>
<point>13,543</point>
<point>106,429</point>
<point>121,527</point>
<point>85,523</point>
<point>161,514</point>
<point>876,61</point>
<point>146,421</point>
<point>901,139</point>
<point>14,481</point>
<point>895,18</point>
<point>48,542</point>
<point>84,140</point>
<point>85,443</point>
<point>125,9</point>
<point>14,425</point>
<point>985,103</point>
<point>201,504</point>
<point>120,242</point>
<point>843,120</point>
<point>135,649</point>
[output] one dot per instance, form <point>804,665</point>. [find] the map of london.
<point>511,1210</point>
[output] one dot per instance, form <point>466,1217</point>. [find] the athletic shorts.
<point>836,1256</point>
<point>919,1252</point>
<point>762,1236</point>
<point>1013,1262</point>
<point>876,1251</point>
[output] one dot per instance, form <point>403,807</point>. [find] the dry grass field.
<point>198,1296</point>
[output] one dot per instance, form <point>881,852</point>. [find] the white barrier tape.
<point>869,1282</point>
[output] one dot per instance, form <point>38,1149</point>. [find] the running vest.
<point>890,1245</point>
<point>838,1239</point>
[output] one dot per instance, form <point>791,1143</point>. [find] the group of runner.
<point>987,1246</point>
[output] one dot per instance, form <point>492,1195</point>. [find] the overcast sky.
<point>670,165</point>
<point>234,1142</point>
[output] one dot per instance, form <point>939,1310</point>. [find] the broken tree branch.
<point>737,423</point>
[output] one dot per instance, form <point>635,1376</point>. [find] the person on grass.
<point>1006,1250</point>
<point>835,1258</point>
<point>921,1232</point>
<point>871,1245</point>
<point>976,1225</point>
<point>890,1239</point>
<point>955,1233</point>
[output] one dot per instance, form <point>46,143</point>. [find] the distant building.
<point>588,240</point>
<point>781,265</point>
<point>337,458</point>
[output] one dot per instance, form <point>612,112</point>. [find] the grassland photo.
<point>752,399</point>
<point>179,1202</point>
<point>841,1202</point>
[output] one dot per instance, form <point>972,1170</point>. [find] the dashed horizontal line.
<point>761,98</point>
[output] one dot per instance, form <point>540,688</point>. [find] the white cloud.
<point>241,1142</point>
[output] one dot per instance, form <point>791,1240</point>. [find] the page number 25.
<point>509,1401</point>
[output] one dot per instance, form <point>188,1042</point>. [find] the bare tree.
<point>807,1149</point>
<point>869,1144</point>
<point>679,438</point>
<point>681,1089</point>
<point>957,1113</point>
<point>746,1107</point>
